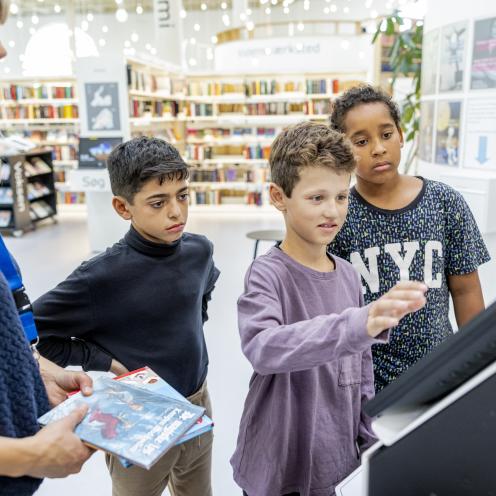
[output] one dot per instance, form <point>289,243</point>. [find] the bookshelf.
<point>46,112</point>
<point>156,97</point>
<point>231,122</point>
<point>27,192</point>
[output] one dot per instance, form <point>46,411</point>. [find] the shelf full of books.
<point>231,122</point>
<point>224,125</point>
<point>45,112</point>
<point>156,102</point>
<point>27,192</point>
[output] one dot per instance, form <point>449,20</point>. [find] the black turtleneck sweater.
<point>139,302</point>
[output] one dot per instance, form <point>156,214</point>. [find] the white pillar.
<point>168,30</point>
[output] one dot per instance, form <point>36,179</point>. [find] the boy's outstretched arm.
<point>65,320</point>
<point>467,296</point>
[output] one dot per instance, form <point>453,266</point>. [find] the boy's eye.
<point>183,197</point>
<point>159,204</point>
<point>361,142</point>
<point>316,198</point>
<point>342,197</point>
<point>388,134</point>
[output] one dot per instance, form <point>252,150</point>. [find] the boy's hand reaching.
<point>406,297</point>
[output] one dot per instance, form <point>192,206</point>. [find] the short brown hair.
<point>308,144</point>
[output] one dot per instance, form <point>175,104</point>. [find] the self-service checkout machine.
<point>436,423</point>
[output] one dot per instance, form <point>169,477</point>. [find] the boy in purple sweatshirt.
<point>305,332</point>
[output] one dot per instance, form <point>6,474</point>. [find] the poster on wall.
<point>480,135</point>
<point>429,63</point>
<point>484,54</point>
<point>426,131</point>
<point>102,106</point>
<point>448,132</point>
<point>453,40</point>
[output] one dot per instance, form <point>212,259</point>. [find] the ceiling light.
<point>121,14</point>
<point>300,26</point>
<point>19,24</point>
<point>268,11</point>
<point>139,9</point>
<point>105,29</point>
<point>90,17</point>
<point>242,16</point>
<point>6,70</point>
<point>102,42</point>
<point>214,39</point>
<point>35,19</point>
<point>192,62</point>
<point>57,8</point>
<point>127,44</point>
<point>346,10</point>
<point>306,5</point>
<point>250,25</point>
<point>286,10</point>
<point>334,8</point>
<point>203,6</point>
<point>249,12</point>
<point>84,25</point>
<point>134,37</point>
<point>183,14</point>
<point>326,10</point>
<point>14,8</point>
<point>192,41</point>
<point>153,51</point>
<point>148,46</point>
<point>11,44</point>
<point>196,27</point>
<point>223,5</point>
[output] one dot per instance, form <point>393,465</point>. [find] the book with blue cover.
<point>147,378</point>
<point>133,423</point>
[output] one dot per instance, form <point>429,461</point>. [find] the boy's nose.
<point>379,148</point>
<point>174,210</point>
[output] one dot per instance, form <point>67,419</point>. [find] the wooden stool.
<point>267,235</point>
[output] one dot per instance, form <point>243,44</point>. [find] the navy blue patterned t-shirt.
<point>433,237</point>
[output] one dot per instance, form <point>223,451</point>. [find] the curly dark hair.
<point>304,145</point>
<point>359,95</point>
<point>134,162</point>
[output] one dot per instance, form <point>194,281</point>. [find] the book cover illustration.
<point>147,378</point>
<point>128,421</point>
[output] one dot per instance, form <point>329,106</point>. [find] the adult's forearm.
<point>17,456</point>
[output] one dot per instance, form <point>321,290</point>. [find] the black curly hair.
<point>134,162</point>
<point>359,95</point>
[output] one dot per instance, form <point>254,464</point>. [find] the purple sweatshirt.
<point>303,332</point>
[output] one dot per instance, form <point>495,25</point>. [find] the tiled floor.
<point>49,254</point>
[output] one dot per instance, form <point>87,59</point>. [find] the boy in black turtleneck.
<point>142,302</point>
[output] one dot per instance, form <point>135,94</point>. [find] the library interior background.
<point>219,79</point>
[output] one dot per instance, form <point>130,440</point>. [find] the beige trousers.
<point>185,468</point>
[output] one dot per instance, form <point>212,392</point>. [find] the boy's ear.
<point>121,206</point>
<point>277,197</point>
<point>402,138</point>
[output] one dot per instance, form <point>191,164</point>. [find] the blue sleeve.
<point>465,248</point>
